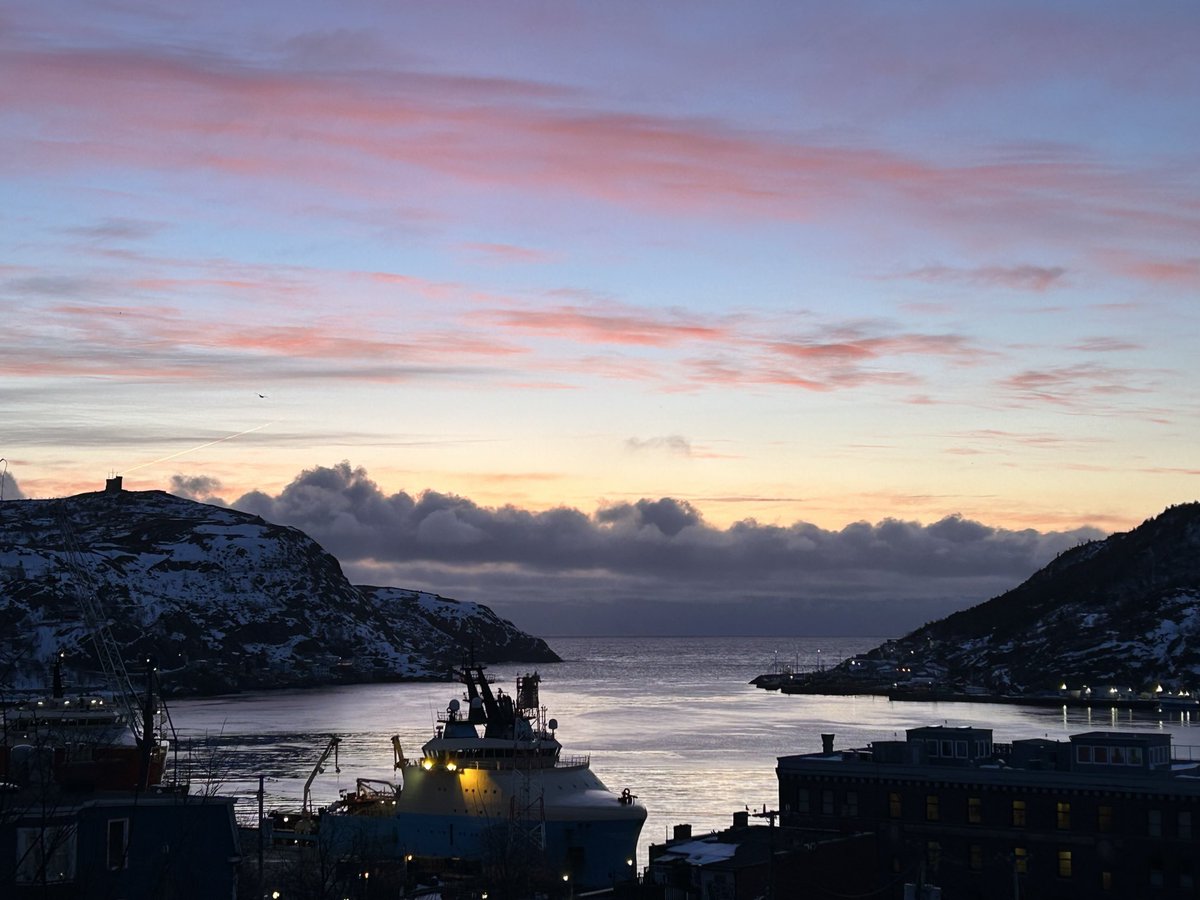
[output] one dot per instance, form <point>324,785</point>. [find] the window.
<point>1156,873</point>
<point>894,806</point>
<point>975,857</point>
<point>932,813</point>
<point>1133,756</point>
<point>960,749</point>
<point>1184,825</point>
<point>850,807</point>
<point>1154,822</point>
<point>1018,813</point>
<point>1104,818</point>
<point>1064,863</point>
<point>1083,753</point>
<point>45,855</point>
<point>974,810</point>
<point>827,803</point>
<point>948,749</point>
<point>118,844</point>
<point>802,805</point>
<point>1106,881</point>
<point>1063,809</point>
<point>1100,755</point>
<point>933,855</point>
<point>1020,860</point>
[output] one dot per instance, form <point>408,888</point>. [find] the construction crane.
<point>331,748</point>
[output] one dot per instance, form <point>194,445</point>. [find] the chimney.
<point>827,743</point>
<point>683,832</point>
<point>741,819</point>
<point>113,485</point>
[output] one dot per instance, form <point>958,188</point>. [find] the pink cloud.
<point>351,133</point>
<point>1020,277</point>
<point>1105,345</point>
<point>1071,385</point>
<point>612,325</point>
<point>507,253</point>
<point>1182,272</point>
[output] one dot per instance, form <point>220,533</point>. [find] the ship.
<point>493,788</point>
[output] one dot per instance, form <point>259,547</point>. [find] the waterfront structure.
<point>1104,814</point>
<point>162,842</point>
<point>747,862</point>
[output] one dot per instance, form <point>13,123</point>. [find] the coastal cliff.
<point>222,599</point>
<point>1124,611</point>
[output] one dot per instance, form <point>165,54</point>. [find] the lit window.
<point>1064,863</point>
<point>1064,815</point>
<point>1018,813</point>
<point>1020,860</point>
<point>974,810</point>
<point>931,808</point>
<point>894,805</point>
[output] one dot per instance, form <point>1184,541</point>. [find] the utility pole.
<point>770,815</point>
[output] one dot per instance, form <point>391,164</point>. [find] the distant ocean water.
<point>673,719</point>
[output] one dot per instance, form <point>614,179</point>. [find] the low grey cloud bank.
<point>653,566</point>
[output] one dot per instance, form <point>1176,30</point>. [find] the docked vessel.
<point>493,787</point>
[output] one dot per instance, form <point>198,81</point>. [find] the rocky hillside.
<point>1124,611</point>
<point>222,599</point>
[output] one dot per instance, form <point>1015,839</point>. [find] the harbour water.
<point>672,719</point>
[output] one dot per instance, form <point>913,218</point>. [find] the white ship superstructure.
<point>493,786</point>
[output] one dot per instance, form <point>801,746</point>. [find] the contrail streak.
<point>228,437</point>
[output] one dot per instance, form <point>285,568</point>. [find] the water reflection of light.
<point>673,719</point>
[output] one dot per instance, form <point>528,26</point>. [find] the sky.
<point>622,317</point>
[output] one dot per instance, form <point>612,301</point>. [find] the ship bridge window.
<point>1087,754</point>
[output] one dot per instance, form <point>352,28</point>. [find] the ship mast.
<point>96,621</point>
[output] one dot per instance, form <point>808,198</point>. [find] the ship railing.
<point>510,762</point>
<point>573,762</point>
<point>1185,752</point>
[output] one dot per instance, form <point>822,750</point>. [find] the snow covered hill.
<point>1123,612</point>
<point>222,599</point>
